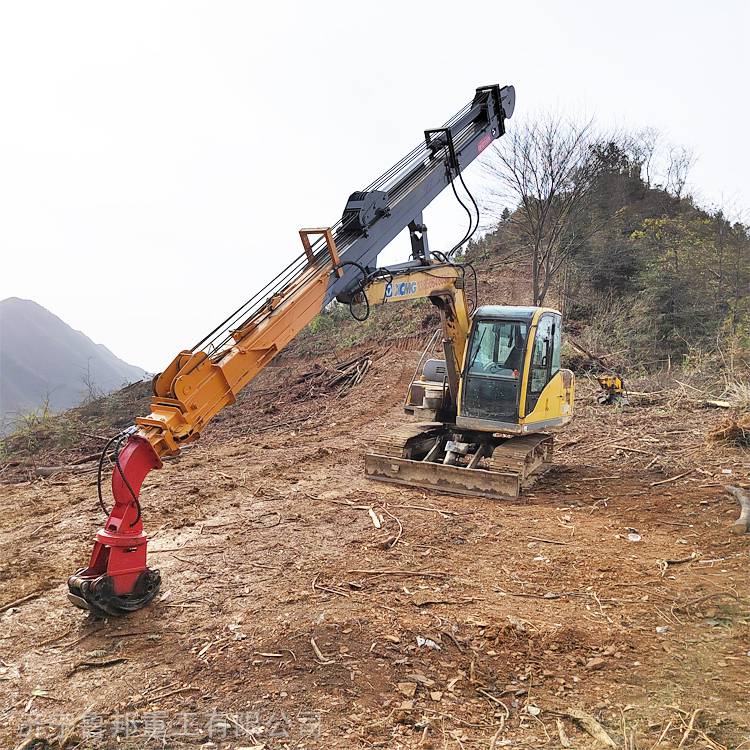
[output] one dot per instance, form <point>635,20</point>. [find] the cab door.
<point>549,389</point>
<point>543,365</point>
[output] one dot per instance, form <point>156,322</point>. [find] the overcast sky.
<point>157,158</point>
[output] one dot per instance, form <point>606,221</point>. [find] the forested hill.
<point>638,269</point>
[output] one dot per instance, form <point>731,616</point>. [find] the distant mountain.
<point>42,357</point>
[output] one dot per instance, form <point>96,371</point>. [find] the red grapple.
<point>117,579</point>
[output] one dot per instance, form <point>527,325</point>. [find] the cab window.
<point>556,344</point>
<point>497,348</point>
<point>491,389</point>
<point>541,356</point>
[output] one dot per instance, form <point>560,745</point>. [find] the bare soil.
<point>287,619</point>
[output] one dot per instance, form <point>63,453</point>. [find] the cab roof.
<point>510,312</point>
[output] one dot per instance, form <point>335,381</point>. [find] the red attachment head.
<point>117,571</point>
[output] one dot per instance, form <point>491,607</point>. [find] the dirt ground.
<point>288,620</point>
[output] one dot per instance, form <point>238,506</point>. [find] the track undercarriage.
<point>459,461</point>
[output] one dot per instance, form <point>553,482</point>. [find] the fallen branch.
<point>54,638</point>
<point>86,459</point>
<point>680,560</point>
<point>686,607</point>
<point>22,600</point>
<point>545,541</point>
<point>441,511</point>
<point>599,359</point>
<point>318,587</point>
<point>672,479</point>
<point>50,471</point>
<point>689,728</point>
<point>394,540</point>
<point>387,572</point>
<point>632,450</point>
<point>319,654</point>
<point>161,696</point>
<point>497,701</point>
<point>97,664</point>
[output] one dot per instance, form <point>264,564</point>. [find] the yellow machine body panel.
<point>555,404</point>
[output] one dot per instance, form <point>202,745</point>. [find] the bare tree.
<point>642,147</point>
<point>93,391</point>
<point>659,160</point>
<point>680,161</point>
<point>546,168</point>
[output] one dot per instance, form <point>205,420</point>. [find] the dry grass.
<point>738,394</point>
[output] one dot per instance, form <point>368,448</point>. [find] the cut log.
<point>717,403</point>
<point>742,524</point>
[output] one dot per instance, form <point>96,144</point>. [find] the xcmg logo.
<point>400,290</point>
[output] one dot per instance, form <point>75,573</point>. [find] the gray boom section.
<point>374,217</point>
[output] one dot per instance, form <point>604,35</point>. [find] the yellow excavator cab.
<point>512,380</point>
<point>491,438</point>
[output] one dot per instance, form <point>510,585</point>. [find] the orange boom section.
<point>196,385</point>
<point>187,395</point>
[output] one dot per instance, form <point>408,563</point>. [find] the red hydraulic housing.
<point>117,579</point>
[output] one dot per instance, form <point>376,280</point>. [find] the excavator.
<point>479,416</point>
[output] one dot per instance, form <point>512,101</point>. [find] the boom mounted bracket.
<point>327,234</point>
<point>444,139</point>
<point>418,238</point>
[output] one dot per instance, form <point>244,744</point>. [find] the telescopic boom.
<point>338,262</point>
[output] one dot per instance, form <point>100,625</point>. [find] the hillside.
<point>638,269</point>
<point>264,536</point>
<point>41,357</point>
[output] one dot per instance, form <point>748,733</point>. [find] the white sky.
<point>157,158</point>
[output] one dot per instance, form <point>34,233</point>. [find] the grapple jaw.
<point>117,579</point>
<point>97,593</point>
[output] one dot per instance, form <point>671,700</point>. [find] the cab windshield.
<point>497,348</point>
